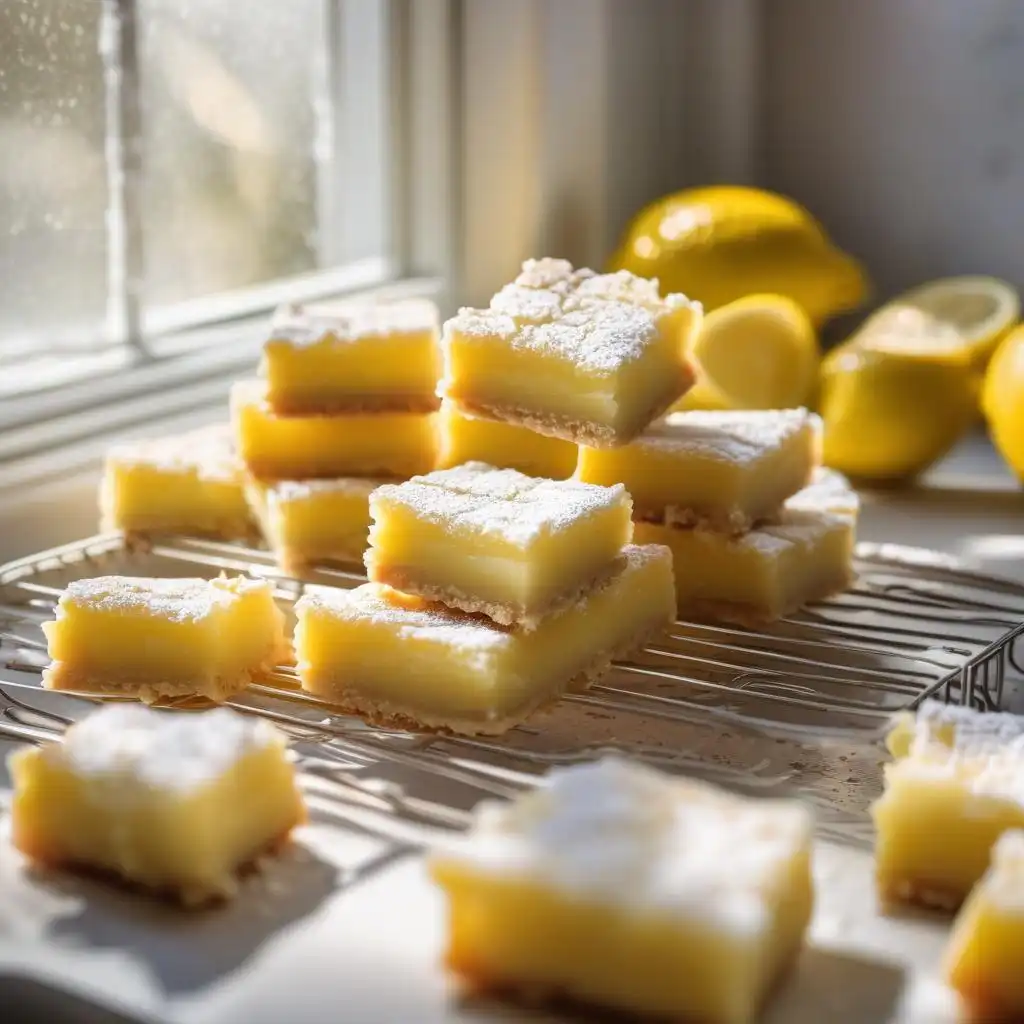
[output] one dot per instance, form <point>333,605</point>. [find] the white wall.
<point>901,124</point>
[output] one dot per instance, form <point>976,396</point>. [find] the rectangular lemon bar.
<point>188,483</point>
<point>585,357</point>
<point>394,657</point>
<point>275,447</point>
<point>723,469</point>
<point>762,575</point>
<point>156,638</point>
<point>353,357</point>
<point>985,953</point>
<point>307,521</point>
<point>495,541</point>
<point>466,438</point>
<point>627,889</point>
<point>954,788</point>
<point>173,802</point>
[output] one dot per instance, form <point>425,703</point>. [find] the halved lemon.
<point>759,352</point>
<point>1003,399</point>
<point>980,309</point>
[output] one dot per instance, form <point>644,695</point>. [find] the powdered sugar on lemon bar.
<point>349,357</point>
<point>395,657</point>
<point>157,638</point>
<point>176,802</point>
<point>725,469</point>
<point>571,354</point>
<point>710,887</point>
<point>186,483</point>
<point>496,541</point>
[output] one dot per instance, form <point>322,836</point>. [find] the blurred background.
<point>803,167</point>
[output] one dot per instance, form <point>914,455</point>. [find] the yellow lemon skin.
<point>721,243</point>
<point>1003,399</point>
<point>888,416</point>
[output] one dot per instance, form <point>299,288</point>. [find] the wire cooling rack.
<point>796,710</point>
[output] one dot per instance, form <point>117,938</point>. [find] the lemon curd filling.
<point>172,802</point>
<point>725,469</point>
<point>957,774</point>
<point>188,483</point>
<point>986,949</point>
<point>299,447</point>
<point>346,357</point>
<point>308,521</point>
<point>624,888</point>
<point>571,354</point>
<point>466,438</point>
<point>513,547</point>
<point>394,657</point>
<point>155,638</point>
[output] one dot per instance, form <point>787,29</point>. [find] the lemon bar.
<point>828,491</point>
<point>188,483</point>
<point>585,357</point>
<point>985,953</point>
<point>353,357</point>
<point>495,541</point>
<point>723,469</point>
<point>952,790</point>
<point>394,657</point>
<point>307,521</point>
<point>173,802</point>
<point>624,888</point>
<point>466,438</point>
<point>275,447</point>
<point>156,638</point>
<point>763,575</point>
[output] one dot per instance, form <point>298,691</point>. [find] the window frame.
<point>409,124</point>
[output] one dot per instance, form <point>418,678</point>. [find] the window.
<point>169,164</point>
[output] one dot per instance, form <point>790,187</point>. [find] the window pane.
<point>53,179</point>
<point>229,142</point>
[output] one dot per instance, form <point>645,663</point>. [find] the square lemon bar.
<point>466,438</point>
<point>496,541</point>
<point>157,638</point>
<point>954,788</point>
<point>624,888</point>
<point>394,657</point>
<point>585,357</point>
<point>760,576</point>
<point>353,357</point>
<point>985,953</point>
<point>723,469</point>
<point>275,447</point>
<point>188,483</point>
<point>173,802</point>
<point>307,521</point>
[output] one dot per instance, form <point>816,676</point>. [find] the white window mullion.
<point>126,267</point>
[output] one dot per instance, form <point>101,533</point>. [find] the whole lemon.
<point>1002,399</point>
<point>721,243</point>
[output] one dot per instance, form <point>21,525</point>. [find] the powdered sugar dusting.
<point>828,491</point>
<point>347,322</point>
<point>178,600</point>
<point>739,437</point>
<point>414,617</point>
<point>503,504</point>
<point>621,834</point>
<point>598,322</point>
<point>962,728</point>
<point>286,492</point>
<point>134,749</point>
<point>208,453</point>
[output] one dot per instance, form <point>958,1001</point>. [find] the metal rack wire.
<point>798,709</point>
